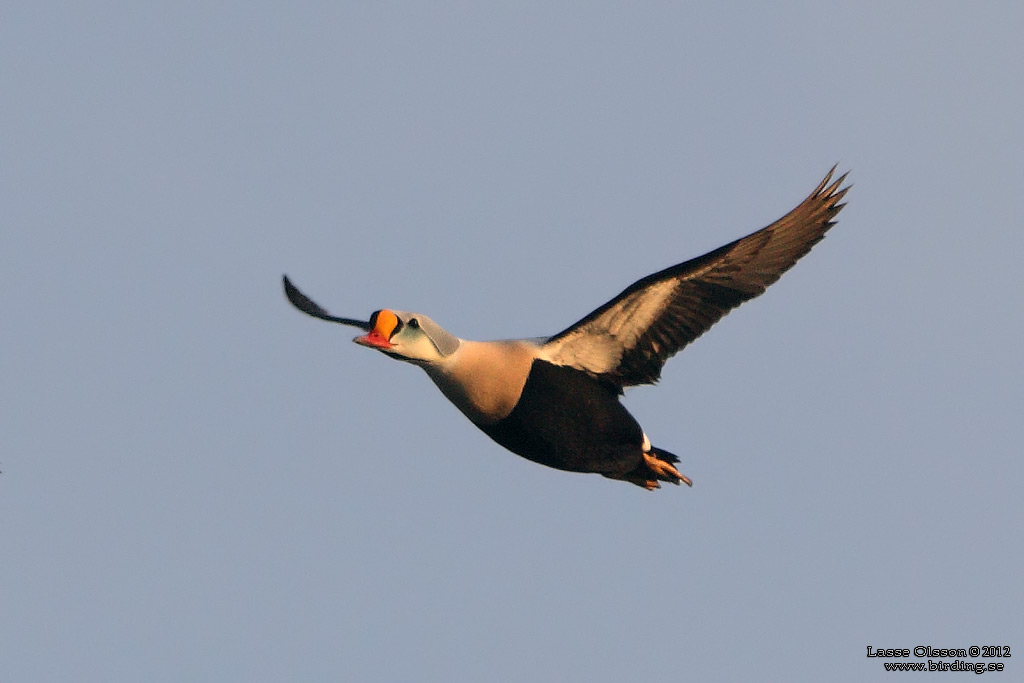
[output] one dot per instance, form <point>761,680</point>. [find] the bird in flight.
<point>555,400</point>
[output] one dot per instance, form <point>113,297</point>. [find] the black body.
<point>568,420</point>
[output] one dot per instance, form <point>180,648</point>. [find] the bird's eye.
<point>413,322</point>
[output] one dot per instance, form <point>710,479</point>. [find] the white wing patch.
<point>598,345</point>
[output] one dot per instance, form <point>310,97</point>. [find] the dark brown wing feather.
<point>310,307</point>
<point>655,317</point>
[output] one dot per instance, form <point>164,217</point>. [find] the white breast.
<point>485,379</point>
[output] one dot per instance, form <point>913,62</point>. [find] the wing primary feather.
<point>310,307</point>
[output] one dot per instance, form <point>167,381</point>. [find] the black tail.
<point>661,454</point>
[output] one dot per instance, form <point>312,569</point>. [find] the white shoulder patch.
<point>594,353</point>
<point>597,346</point>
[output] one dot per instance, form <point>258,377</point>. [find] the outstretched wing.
<point>627,341</point>
<point>310,307</point>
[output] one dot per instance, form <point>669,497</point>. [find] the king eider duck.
<point>555,400</point>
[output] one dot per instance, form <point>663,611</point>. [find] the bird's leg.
<point>641,480</point>
<point>647,473</point>
<point>665,471</point>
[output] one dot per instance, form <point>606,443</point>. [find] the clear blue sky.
<point>200,483</point>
